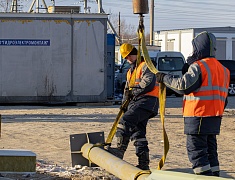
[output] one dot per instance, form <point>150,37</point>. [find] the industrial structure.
<point>55,58</point>
<point>64,58</point>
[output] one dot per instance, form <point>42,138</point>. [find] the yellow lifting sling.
<point>162,91</point>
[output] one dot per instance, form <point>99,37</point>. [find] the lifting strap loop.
<point>162,92</point>
<point>141,173</point>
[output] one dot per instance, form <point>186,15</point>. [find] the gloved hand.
<point>185,68</point>
<point>160,76</point>
<point>130,95</point>
<point>124,108</point>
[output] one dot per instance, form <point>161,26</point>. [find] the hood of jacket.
<point>204,45</point>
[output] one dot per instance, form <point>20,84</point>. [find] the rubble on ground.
<point>49,171</point>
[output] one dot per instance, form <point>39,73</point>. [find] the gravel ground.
<point>45,130</point>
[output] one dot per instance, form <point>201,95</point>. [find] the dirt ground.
<point>45,130</point>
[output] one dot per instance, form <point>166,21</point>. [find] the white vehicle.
<point>166,61</point>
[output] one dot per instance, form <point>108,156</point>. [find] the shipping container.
<point>54,58</point>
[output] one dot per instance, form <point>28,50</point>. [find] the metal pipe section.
<point>126,171</point>
<point>170,175</point>
<point>111,163</point>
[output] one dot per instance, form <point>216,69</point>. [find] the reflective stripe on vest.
<point>209,99</point>
<point>154,92</point>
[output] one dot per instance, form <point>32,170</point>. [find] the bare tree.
<point>5,5</point>
<point>128,32</point>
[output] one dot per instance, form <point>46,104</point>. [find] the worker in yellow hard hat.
<point>125,49</point>
<point>143,106</point>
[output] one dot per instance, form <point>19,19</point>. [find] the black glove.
<point>185,68</point>
<point>160,76</point>
<point>124,108</point>
<point>129,94</point>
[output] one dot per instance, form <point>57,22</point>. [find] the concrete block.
<point>17,160</point>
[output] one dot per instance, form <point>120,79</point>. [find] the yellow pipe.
<point>167,175</point>
<point>126,171</point>
<point>112,164</point>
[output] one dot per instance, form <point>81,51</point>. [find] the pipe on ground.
<point>126,171</point>
<point>111,163</point>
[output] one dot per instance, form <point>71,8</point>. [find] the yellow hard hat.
<point>125,49</point>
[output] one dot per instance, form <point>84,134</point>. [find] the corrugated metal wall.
<point>53,58</point>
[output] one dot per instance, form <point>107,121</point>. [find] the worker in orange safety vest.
<point>143,95</point>
<point>204,83</point>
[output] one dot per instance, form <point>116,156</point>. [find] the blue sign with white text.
<point>24,42</point>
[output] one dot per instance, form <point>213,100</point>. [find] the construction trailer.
<point>55,58</point>
<point>180,40</point>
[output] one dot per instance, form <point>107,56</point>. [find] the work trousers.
<point>202,153</point>
<point>133,124</point>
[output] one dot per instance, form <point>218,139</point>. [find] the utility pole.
<point>14,6</point>
<point>151,21</point>
<point>109,23</point>
<point>85,6</point>
<point>119,25</point>
<point>100,6</point>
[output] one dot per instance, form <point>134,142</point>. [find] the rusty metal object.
<point>140,6</point>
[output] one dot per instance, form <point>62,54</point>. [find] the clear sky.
<point>168,14</point>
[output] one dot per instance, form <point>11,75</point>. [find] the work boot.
<point>206,173</point>
<point>216,173</point>
<point>143,159</point>
<point>116,152</point>
<point>122,144</point>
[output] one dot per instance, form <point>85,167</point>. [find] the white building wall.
<point>174,37</point>
<point>159,40</point>
<point>186,43</point>
<point>229,43</point>
<point>183,41</point>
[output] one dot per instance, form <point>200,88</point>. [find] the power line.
<point>172,13</point>
<point>183,13</point>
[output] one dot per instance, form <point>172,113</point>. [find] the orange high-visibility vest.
<point>209,99</point>
<point>154,92</point>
